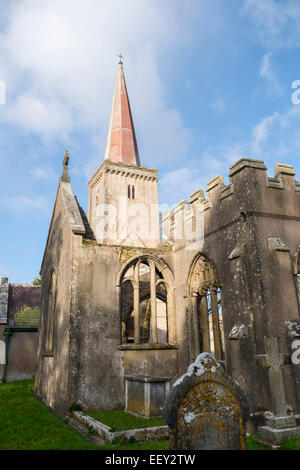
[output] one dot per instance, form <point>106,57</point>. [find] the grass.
<point>291,444</point>
<point>27,424</point>
<point>119,420</point>
<point>252,443</point>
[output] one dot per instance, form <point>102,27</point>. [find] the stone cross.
<point>274,360</point>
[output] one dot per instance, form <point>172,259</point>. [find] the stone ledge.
<point>274,183</point>
<point>276,244</point>
<point>132,346</point>
<point>103,432</point>
<point>146,379</point>
<point>281,422</point>
<point>276,435</point>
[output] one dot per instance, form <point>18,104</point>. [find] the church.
<point>130,296</point>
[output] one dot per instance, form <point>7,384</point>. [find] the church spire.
<point>121,144</point>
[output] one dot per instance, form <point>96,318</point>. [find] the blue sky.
<point>209,81</point>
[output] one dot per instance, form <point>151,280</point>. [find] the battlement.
<point>132,171</point>
<point>250,190</point>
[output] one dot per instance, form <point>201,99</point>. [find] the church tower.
<point>123,195</point>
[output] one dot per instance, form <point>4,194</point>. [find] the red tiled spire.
<point>121,144</point>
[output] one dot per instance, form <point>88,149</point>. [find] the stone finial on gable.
<point>65,177</point>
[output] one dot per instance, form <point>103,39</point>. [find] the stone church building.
<point>130,297</point>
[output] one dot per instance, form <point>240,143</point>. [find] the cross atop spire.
<point>121,57</point>
<point>121,144</point>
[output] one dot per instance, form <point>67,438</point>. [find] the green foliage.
<point>119,420</point>
<point>91,431</point>
<point>27,317</point>
<point>293,443</point>
<point>37,281</point>
<point>120,439</point>
<point>75,407</point>
<point>252,443</point>
<point>86,241</point>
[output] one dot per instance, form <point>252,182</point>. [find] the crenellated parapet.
<point>250,190</point>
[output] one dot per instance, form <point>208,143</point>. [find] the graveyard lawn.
<point>27,424</point>
<point>119,420</point>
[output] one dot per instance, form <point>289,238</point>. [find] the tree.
<point>37,281</point>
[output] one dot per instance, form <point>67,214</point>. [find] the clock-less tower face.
<point>123,205</point>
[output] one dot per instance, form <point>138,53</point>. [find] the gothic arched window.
<point>147,304</point>
<point>206,311</point>
<point>51,310</point>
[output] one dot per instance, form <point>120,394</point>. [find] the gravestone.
<point>281,425</point>
<point>206,408</point>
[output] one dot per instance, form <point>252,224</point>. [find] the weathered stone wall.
<point>52,378</point>
<point>251,232</point>
<point>95,334</point>
<point>258,286</point>
<point>19,330</point>
<point>22,358</point>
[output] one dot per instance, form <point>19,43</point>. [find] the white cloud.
<point>179,184</point>
<point>275,137</point>
<point>267,72</point>
<point>38,116</point>
<point>277,23</point>
<point>219,105</point>
<point>260,132</point>
<point>59,61</point>
<point>19,204</point>
<point>42,173</point>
